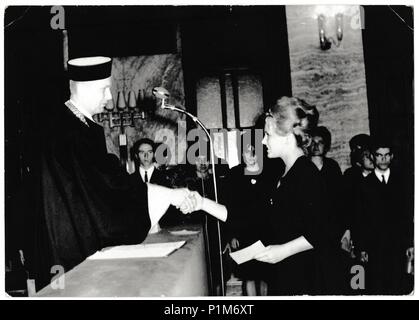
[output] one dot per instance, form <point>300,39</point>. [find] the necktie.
<point>383,180</point>
<point>145,177</point>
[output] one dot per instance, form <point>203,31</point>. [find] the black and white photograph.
<point>213,150</point>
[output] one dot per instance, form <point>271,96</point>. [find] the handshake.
<point>187,201</point>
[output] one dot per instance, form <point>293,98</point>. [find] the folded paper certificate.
<point>149,250</point>
<point>247,253</point>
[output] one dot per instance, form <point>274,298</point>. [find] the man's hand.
<point>273,254</point>
<point>178,196</point>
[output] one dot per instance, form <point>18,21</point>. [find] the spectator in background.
<point>353,179</point>
<point>245,193</point>
<point>320,146</point>
<point>145,166</point>
<point>145,170</point>
<point>329,169</point>
<point>332,178</point>
<point>385,236</point>
<point>357,143</point>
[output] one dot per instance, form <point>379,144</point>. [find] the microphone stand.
<point>197,121</point>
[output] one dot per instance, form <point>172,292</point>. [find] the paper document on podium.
<point>149,250</point>
<point>247,253</point>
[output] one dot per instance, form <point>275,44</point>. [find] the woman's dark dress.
<point>246,195</point>
<point>299,207</point>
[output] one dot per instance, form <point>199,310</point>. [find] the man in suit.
<point>386,226</point>
<point>143,152</point>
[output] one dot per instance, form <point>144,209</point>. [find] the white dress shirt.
<point>380,174</point>
<point>149,173</point>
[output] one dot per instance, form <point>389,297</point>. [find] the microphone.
<point>163,94</point>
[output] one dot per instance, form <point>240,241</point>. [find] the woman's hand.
<point>273,254</point>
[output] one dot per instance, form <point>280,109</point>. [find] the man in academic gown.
<point>81,200</point>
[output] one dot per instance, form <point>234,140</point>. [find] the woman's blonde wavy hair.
<point>294,115</point>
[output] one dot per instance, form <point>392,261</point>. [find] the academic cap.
<point>89,68</point>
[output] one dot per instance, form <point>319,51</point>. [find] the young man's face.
<point>382,158</point>
<point>146,155</point>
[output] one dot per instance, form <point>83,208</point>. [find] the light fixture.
<point>326,42</point>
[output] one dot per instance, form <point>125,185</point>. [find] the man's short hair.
<point>381,142</point>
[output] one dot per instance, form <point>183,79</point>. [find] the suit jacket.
<point>386,232</point>
<point>158,177</point>
<point>386,225</point>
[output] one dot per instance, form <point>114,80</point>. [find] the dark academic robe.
<point>299,207</point>
<point>386,231</point>
<point>80,202</point>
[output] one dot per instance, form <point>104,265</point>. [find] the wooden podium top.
<point>183,273</point>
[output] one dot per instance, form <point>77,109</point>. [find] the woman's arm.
<point>279,252</point>
<point>213,208</point>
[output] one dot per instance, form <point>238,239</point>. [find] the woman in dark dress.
<point>250,183</point>
<point>297,236</point>
<point>299,233</point>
